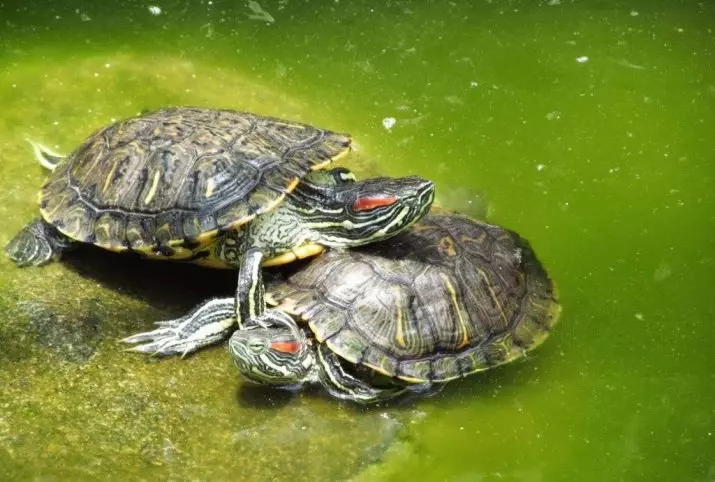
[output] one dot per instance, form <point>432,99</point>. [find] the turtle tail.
<point>46,156</point>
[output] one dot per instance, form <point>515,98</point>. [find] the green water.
<point>588,127</point>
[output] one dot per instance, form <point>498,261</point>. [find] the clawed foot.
<point>209,323</point>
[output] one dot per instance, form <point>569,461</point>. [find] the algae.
<point>74,404</point>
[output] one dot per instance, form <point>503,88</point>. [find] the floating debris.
<point>453,99</point>
<point>257,13</point>
<point>581,60</point>
<point>555,115</point>
<point>154,10</point>
<point>662,272</point>
<point>626,63</point>
<point>389,122</point>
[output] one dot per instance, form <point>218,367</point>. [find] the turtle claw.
<point>207,324</point>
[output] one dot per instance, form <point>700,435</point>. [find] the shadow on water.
<point>257,396</point>
<point>170,285</point>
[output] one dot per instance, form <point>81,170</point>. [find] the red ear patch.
<point>369,203</point>
<point>286,346</point>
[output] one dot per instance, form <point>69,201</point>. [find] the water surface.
<point>587,126</point>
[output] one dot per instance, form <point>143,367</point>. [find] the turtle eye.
<point>364,204</point>
<point>257,346</point>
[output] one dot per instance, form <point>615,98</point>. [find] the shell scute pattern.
<point>451,297</point>
<point>180,175</point>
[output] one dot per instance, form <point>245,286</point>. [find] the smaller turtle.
<point>446,299</point>
<point>210,186</point>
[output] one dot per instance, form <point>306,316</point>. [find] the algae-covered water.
<point>585,126</point>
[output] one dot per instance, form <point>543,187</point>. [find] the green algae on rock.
<point>74,404</point>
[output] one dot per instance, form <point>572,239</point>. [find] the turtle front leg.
<point>250,303</point>
<point>36,244</point>
<point>208,323</point>
<point>340,384</point>
<point>211,321</point>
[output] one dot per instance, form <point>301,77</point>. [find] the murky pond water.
<point>586,126</point>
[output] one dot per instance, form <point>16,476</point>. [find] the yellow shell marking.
<point>378,368</point>
<point>453,294</point>
<point>91,168</point>
<point>108,179</point>
<point>400,335</point>
<point>446,245</point>
<point>493,295</point>
<point>340,155</point>
<point>301,252</point>
<point>152,190</point>
<point>209,188</point>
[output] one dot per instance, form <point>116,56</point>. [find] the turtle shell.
<point>181,175</point>
<point>451,297</point>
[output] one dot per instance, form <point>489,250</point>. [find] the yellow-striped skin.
<point>166,184</point>
<point>448,298</point>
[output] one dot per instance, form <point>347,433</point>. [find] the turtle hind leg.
<point>36,244</point>
<point>341,384</point>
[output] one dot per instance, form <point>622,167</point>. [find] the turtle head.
<point>343,212</point>
<point>275,353</point>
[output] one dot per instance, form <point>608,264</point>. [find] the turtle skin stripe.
<point>450,297</point>
<point>181,174</point>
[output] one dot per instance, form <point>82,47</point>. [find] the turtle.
<point>450,297</point>
<point>220,188</point>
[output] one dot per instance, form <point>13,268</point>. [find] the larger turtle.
<point>450,297</point>
<point>220,188</point>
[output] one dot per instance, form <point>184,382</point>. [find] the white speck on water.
<point>96,74</point>
<point>540,167</point>
<point>552,3</point>
<point>639,316</point>
<point>106,66</point>
<point>582,60</point>
<point>614,170</point>
<point>473,84</point>
<point>154,10</point>
<point>662,272</point>
<point>634,13</point>
<point>453,99</point>
<point>56,123</point>
<point>555,115</point>
<point>84,17</point>
<point>389,122</point>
